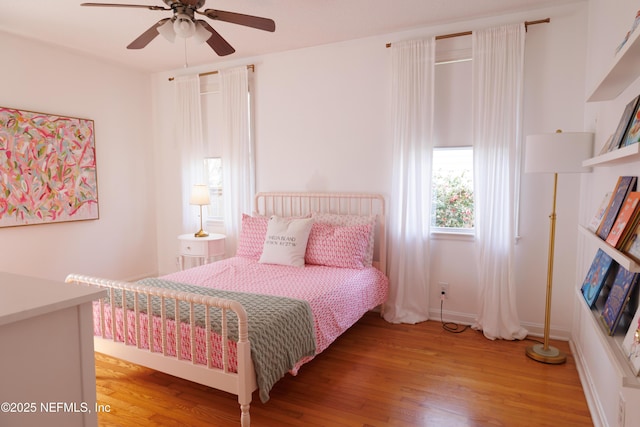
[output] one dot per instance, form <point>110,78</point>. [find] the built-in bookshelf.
<point>612,344</point>
<point>620,378</point>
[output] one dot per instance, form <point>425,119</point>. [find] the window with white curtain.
<point>213,171</point>
<point>452,169</point>
<point>212,134</point>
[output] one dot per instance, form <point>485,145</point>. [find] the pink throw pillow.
<point>338,246</point>
<point>252,236</point>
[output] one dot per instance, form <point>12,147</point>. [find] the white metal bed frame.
<point>243,382</point>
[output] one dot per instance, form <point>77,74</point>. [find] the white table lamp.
<point>200,197</point>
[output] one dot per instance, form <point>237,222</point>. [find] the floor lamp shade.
<point>560,152</point>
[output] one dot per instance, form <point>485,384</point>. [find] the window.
<point>213,170</point>
<point>452,208</point>
<point>452,189</point>
<point>211,104</point>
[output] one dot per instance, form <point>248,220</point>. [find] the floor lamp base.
<point>552,355</point>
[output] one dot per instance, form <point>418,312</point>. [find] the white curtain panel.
<point>238,154</point>
<point>189,138</point>
<point>498,60</point>
<point>410,202</point>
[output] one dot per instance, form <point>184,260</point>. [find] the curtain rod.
<point>250,67</point>
<point>468,33</point>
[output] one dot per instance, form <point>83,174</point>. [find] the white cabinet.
<point>47,366</point>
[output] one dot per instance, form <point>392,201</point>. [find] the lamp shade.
<point>166,30</point>
<point>560,152</point>
<point>199,195</point>
<point>184,26</point>
<point>202,34</point>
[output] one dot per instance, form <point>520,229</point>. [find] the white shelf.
<point>628,263</point>
<point>622,73</point>
<point>612,346</point>
<point>616,157</point>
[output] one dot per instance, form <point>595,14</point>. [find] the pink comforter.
<point>338,296</point>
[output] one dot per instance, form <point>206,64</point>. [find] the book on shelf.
<point>632,135</point>
<point>631,343</point>
<point>623,125</point>
<point>607,146</point>
<point>596,277</point>
<point>624,185</point>
<point>596,220</point>
<point>632,244</point>
<point>626,219</point>
<point>623,284</point>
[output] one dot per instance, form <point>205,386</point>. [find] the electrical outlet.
<point>444,289</point>
<point>621,405</point>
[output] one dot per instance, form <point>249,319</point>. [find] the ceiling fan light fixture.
<point>166,30</point>
<point>184,26</point>
<point>202,34</point>
<point>182,22</point>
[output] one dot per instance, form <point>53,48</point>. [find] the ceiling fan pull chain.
<point>186,63</point>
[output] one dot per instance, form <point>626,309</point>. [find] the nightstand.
<point>204,249</point>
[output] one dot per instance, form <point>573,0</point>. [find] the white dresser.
<point>47,365</point>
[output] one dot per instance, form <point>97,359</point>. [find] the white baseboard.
<point>534,329</point>
<point>596,410</point>
<point>452,316</point>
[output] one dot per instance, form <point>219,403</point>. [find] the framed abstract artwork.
<point>47,168</point>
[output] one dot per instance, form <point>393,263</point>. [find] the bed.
<point>308,266</point>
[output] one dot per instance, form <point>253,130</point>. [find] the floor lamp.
<point>560,152</point>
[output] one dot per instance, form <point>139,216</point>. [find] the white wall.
<point>121,244</point>
<point>323,124</point>
<point>554,99</point>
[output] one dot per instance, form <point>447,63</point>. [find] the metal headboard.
<point>299,204</point>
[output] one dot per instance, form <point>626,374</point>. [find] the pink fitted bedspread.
<point>338,296</point>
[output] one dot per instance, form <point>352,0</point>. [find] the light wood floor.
<point>376,374</point>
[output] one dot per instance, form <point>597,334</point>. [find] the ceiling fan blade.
<point>125,5</point>
<point>146,37</point>
<point>265,24</point>
<point>216,41</point>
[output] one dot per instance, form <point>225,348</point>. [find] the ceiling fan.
<point>184,24</point>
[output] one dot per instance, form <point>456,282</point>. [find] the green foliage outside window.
<point>453,199</point>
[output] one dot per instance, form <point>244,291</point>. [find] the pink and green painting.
<point>47,168</point>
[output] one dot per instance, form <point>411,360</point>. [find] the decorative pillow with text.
<point>286,241</point>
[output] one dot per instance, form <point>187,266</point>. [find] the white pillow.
<point>286,241</point>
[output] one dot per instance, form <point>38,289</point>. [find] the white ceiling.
<point>105,32</point>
